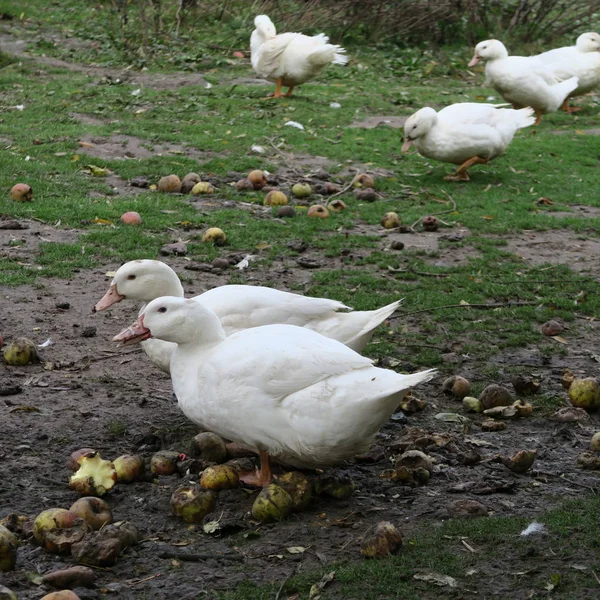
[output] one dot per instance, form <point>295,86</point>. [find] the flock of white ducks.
<point>279,372</point>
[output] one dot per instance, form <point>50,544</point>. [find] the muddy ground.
<point>113,400</point>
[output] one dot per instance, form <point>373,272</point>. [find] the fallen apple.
<point>414,459</point>
<point>298,486</point>
<point>364,180</point>
<point>430,223</point>
<point>456,386</point>
<point>595,442</point>
<point>208,446</point>
<point>495,395</point>
<point>203,187</point>
<point>215,236</point>
<point>21,192</point>
<point>73,460</point>
<point>317,210</point>
<point>193,177</point>
<point>95,476</point>
<point>339,487</point>
<point>385,540</point>
<point>286,211</point>
<point>129,467</point>
<point>585,393</point>
<point>164,462</point>
<point>390,220</point>
<point>273,503</point>
<point>61,595</point>
<point>244,185</point>
<point>8,549</point>
<point>20,352</point>
<point>94,511</point>
<point>192,503</point>
<point>219,477</point>
<point>131,218</point>
<point>171,184</point>
<point>472,404</point>
<point>258,179</point>
<point>275,198</point>
<point>57,529</point>
<point>336,205</point>
<point>366,194</point>
<point>71,577</point>
<point>302,190</point>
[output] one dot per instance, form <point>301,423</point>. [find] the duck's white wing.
<point>469,112</point>
<point>294,358</point>
<point>557,54</point>
<point>244,306</point>
<point>271,52</point>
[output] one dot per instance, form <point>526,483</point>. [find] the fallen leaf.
<point>211,527</point>
<point>296,549</point>
<point>436,579</point>
<point>99,221</point>
<point>553,582</point>
<point>560,339</point>
<point>316,588</point>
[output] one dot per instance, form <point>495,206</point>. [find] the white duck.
<point>522,81</point>
<point>283,391</point>
<point>290,59</point>
<point>243,306</point>
<point>464,134</point>
<point>581,60</point>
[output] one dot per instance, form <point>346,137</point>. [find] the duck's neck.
<point>206,330</point>
<point>164,286</point>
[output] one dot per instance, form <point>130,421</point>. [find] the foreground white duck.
<point>464,134</point>
<point>290,59</point>
<point>522,81</point>
<point>283,391</point>
<point>243,306</point>
<point>581,61</point>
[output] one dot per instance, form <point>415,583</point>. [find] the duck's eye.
<point>162,309</point>
<point>484,47</point>
<point>131,276</point>
<point>414,127</point>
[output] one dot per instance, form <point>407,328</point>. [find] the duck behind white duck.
<point>522,81</point>
<point>581,61</point>
<point>290,59</point>
<point>243,306</point>
<point>284,391</point>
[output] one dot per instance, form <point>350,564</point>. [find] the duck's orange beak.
<point>111,297</point>
<point>134,333</point>
<point>407,144</point>
<point>474,61</point>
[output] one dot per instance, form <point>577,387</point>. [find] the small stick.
<point>286,579</point>
<point>596,576</point>
<point>145,579</point>
<point>345,189</point>
<point>186,556</point>
<point>493,305</point>
<point>469,548</point>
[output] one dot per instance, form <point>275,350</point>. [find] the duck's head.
<point>174,320</point>
<point>264,27</point>
<point>418,125</point>
<point>141,280</point>
<point>588,42</point>
<point>488,50</point>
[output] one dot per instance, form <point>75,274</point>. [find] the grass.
<point>563,562</point>
<point>39,145</point>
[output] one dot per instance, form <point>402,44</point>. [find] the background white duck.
<point>290,59</point>
<point>283,391</point>
<point>521,80</point>
<point>581,60</point>
<point>243,306</point>
<point>464,134</point>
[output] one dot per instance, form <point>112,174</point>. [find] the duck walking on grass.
<point>522,80</point>
<point>284,391</point>
<point>464,134</point>
<point>290,59</point>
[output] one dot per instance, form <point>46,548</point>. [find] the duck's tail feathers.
<point>563,89</point>
<point>371,320</point>
<point>328,53</point>
<point>417,378</point>
<point>525,117</point>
